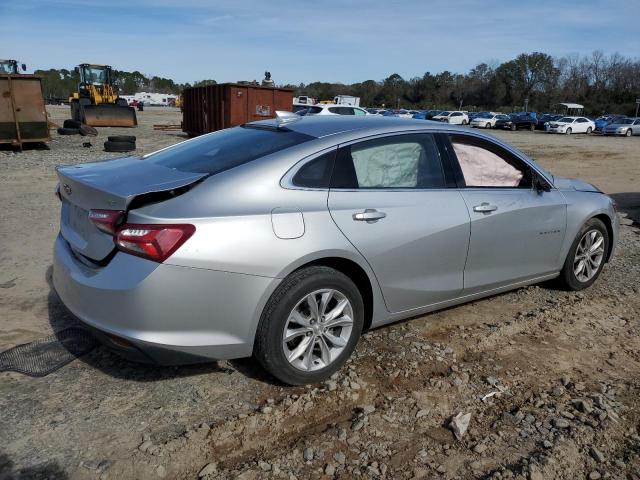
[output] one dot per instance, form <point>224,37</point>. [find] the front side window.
<point>357,111</point>
<point>566,120</point>
<point>485,164</point>
<point>403,161</point>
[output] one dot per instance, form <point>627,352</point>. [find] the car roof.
<point>324,125</point>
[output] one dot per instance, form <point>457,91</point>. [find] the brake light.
<point>107,221</point>
<point>153,242</point>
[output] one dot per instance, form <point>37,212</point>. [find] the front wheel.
<point>586,257</point>
<point>628,133</point>
<point>487,125</point>
<point>532,127</point>
<point>568,132</point>
<point>310,326</point>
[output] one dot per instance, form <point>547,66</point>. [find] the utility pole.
<point>526,104</point>
<point>637,105</point>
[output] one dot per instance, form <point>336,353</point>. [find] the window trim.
<point>434,134</point>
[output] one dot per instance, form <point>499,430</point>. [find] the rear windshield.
<point>220,151</point>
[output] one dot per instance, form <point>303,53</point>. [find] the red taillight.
<point>153,242</point>
<point>106,220</point>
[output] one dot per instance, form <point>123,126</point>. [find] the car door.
<point>516,230</point>
<point>636,127</point>
<point>581,125</point>
<point>389,197</point>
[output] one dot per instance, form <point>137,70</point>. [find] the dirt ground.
<point>551,379</point>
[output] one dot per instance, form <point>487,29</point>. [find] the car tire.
<point>273,353</point>
<point>119,146</point>
<point>589,130</point>
<point>628,133</point>
<point>487,125</point>
<point>568,132</point>
<point>86,130</point>
<point>513,128</point>
<point>532,127</point>
<point>569,279</point>
<point>69,123</point>
<point>68,131</point>
<point>121,138</point>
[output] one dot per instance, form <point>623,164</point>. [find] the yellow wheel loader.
<point>96,103</point>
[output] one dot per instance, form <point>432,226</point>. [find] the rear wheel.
<point>464,122</point>
<point>589,130</point>
<point>532,127</point>
<point>513,128</point>
<point>310,326</point>
<point>586,257</point>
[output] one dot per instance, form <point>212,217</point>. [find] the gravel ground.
<point>548,381</point>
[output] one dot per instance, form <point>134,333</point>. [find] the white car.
<point>333,109</point>
<point>488,119</point>
<point>454,118</point>
<point>569,125</point>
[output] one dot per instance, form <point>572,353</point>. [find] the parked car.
<point>626,127</point>
<point>605,120</point>
<point>286,238</point>
<point>332,109</point>
<point>487,119</point>
<point>569,125</point>
<point>546,118</point>
<point>517,121</point>
<point>454,118</point>
<point>427,114</point>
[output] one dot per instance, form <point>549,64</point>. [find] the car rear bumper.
<point>162,313</point>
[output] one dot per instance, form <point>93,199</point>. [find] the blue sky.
<point>303,41</point>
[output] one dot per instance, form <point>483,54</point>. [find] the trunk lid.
<point>110,185</point>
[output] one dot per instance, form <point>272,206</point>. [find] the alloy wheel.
<point>318,329</point>
<point>589,255</point>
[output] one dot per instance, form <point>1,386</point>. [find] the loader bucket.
<point>109,115</point>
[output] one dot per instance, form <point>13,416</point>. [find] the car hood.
<point>564,183</point>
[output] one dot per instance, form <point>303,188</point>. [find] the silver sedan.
<point>285,239</point>
<point>625,127</point>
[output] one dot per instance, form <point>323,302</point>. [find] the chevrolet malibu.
<point>285,239</point>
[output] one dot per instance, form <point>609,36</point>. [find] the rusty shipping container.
<point>214,107</point>
<point>23,117</point>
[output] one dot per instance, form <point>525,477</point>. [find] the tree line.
<point>603,83</point>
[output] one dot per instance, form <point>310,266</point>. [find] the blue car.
<point>605,120</point>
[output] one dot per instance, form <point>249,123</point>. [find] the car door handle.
<point>485,207</point>
<point>370,215</point>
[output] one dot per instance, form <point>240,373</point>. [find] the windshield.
<point>484,115</point>
<point>625,121</point>
<point>225,149</point>
<point>566,120</point>
<point>94,75</point>
<point>7,67</point>
<point>444,114</point>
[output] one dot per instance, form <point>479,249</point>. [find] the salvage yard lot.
<point>566,365</point>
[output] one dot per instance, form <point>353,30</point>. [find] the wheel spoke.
<point>337,310</point>
<point>298,318</point>
<point>343,321</point>
<point>292,334</point>
<point>325,353</point>
<point>300,349</point>
<point>596,245</point>
<point>324,302</point>
<point>313,306</point>
<point>308,354</point>
<point>578,270</point>
<point>335,340</point>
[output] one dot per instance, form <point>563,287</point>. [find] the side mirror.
<point>24,67</point>
<point>540,184</point>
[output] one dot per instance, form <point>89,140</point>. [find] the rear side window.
<point>316,173</point>
<point>220,151</point>
<point>403,161</point>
